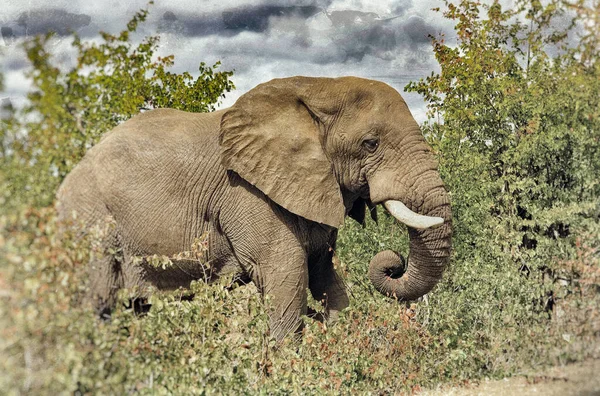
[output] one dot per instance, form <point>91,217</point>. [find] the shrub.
<point>69,110</point>
<point>518,150</point>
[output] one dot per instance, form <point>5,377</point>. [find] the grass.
<point>485,319</point>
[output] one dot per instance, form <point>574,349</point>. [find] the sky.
<point>386,40</point>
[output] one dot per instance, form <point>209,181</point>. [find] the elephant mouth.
<point>410,218</point>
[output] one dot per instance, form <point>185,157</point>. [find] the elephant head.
<point>324,148</point>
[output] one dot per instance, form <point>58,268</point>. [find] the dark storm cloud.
<point>232,21</point>
<point>373,40</point>
<point>256,19</point>
<point>383,38</point>
<point>7,35</point>
<point>418,31</point>
<point>195,25</point>
<point>287,32</point>
<point>56,20</point>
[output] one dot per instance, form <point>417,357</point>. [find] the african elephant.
<point>270,179</point>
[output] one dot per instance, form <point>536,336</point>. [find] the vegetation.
<point>515,123</point>
<point>69,110</point>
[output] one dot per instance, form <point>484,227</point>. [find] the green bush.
<point>518,149</point>
<point>69,110</point>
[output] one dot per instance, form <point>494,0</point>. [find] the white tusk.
<point>410,218</point>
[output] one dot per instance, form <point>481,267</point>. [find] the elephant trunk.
<point>430,232</point>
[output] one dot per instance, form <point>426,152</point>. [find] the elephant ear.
<point>272,138</point>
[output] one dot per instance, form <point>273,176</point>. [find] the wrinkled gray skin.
<point>271,179</point>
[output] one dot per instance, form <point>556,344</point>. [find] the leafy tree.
<point>521,121</point>
<point>68,111</point>
<point>514,117</point>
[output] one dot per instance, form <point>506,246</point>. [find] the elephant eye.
<point>370,144</point>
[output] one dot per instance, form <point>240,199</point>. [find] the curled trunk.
<point>429,247</point>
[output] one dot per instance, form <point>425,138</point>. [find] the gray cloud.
<point>376,39</point>
<point>56,20</point>
<point>256,19</point>
<point>304,32</point>
<point>195,25</point>
<point>15,63</point>
<point>7,35</point>
<point>401,8</point>
<point>349,18</point>
<point>384,38</point>
<point>418,31</point>
<point>232,21</point>
<point>260,40</point>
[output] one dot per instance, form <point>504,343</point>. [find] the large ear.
<point>272,138</point>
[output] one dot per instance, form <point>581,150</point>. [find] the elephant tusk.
<point>410,218</point>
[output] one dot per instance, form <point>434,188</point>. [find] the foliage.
<point>218,342</point>
<point>518,149</point>
<point>69,110</point>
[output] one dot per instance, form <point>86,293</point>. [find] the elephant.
<point>270,179</point>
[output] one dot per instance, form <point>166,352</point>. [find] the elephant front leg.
<point>285,282</point>
<point>106,279</point>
